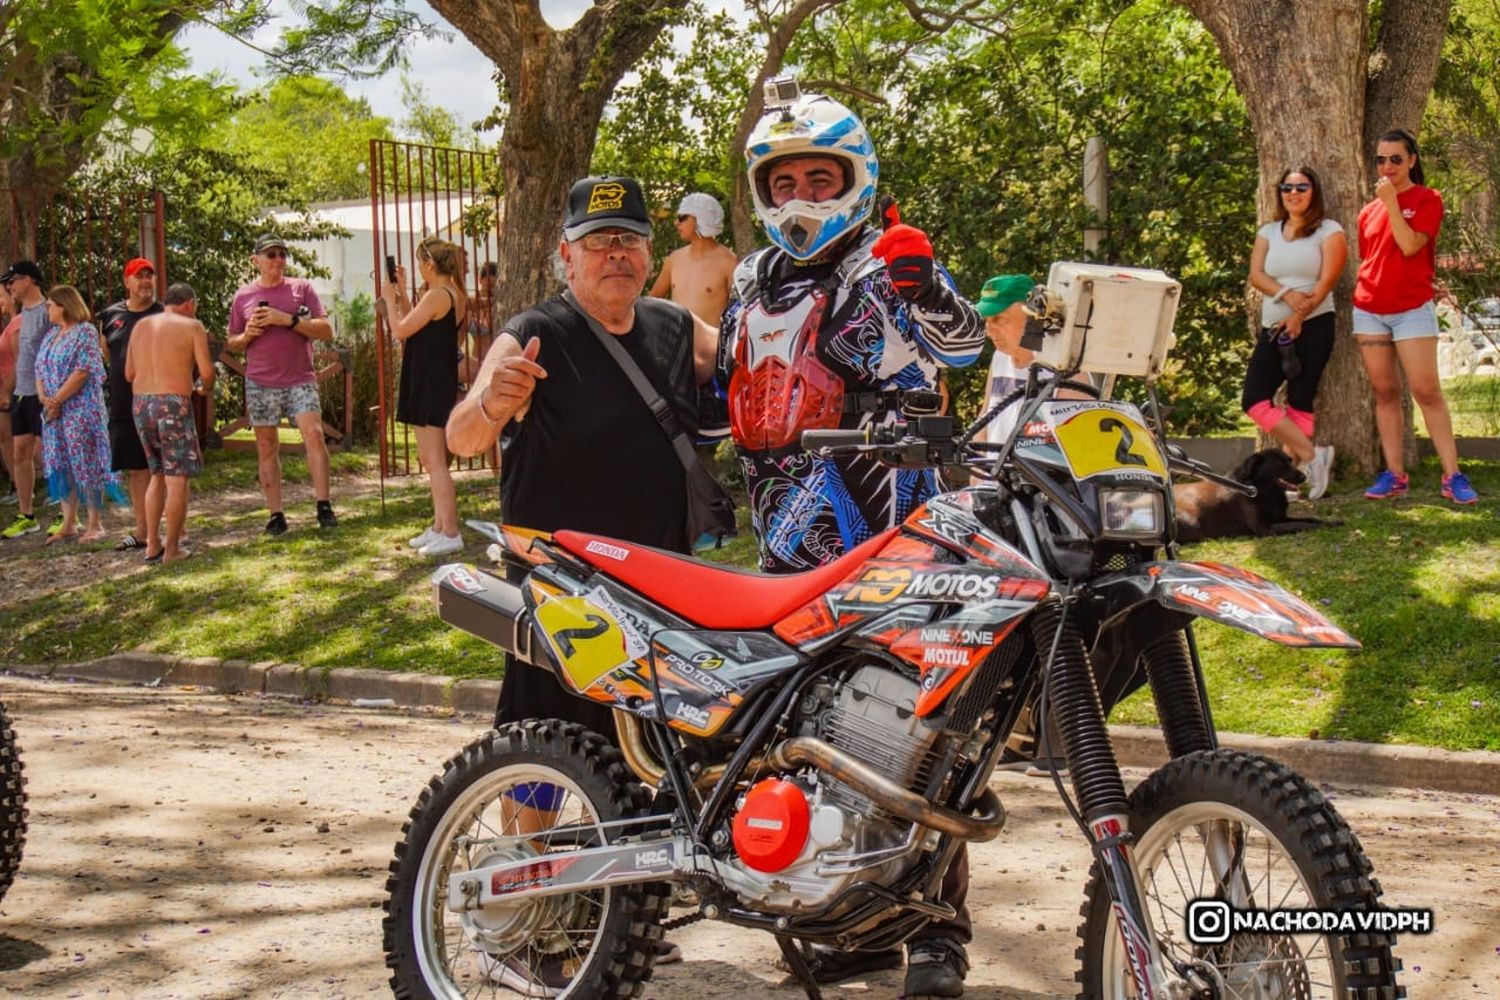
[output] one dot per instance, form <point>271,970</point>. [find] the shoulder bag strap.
<point>665,418</point>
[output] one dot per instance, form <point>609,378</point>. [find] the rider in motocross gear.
<point>820,328</point>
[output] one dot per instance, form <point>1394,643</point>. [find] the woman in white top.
<point>1297,260</point>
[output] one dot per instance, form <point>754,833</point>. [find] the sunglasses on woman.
<point>1302,187</point>
<point>1395,160</point>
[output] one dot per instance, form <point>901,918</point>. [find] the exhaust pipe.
<point>484,606</point>
<point>981,827</point>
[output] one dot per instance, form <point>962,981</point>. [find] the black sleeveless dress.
<point>429,371</point>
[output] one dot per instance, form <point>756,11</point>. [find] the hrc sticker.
<point>587,640</point>
<point>1101,439</point>
<point>606,196</point>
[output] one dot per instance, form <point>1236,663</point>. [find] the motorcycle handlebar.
<point>818,440</point>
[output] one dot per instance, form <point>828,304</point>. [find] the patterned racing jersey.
<point>808,510</point>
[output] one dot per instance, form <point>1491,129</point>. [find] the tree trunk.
<point>1316,98</point>
<point>556,84</point>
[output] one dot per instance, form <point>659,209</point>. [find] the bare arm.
<point>204,359</point>
<point>705,350</point>
<point>1259,279</point>
<point>501,393</point>
<point>130,358</point>
<point>405,321</point>
<point>662,286</point>
<point>1408,240</point>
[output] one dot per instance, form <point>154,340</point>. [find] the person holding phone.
<point>274,321</point>
<point>1394,317</point>
<point>429,333</point>
<point>1297,259</point>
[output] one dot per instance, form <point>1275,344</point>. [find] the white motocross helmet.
<point>797,124</point>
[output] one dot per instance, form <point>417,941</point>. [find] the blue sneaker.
<point>1387,486</point>
<point>1456,488</point>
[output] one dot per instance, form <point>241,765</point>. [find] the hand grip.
<point>815,440</point>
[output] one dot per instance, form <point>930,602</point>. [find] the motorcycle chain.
<point>682,921</point>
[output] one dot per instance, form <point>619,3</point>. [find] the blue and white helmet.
<point>812,125</point>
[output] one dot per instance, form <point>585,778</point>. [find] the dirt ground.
<point>187,844</point>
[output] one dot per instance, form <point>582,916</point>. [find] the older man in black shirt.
<point>117,323</point>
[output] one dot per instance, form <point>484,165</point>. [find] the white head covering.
<point>706,210</point>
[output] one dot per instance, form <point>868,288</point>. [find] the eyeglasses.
<point>1395,160</point>
<point>273,254</point>
<point>1300,188</point>
<point>606,241</point>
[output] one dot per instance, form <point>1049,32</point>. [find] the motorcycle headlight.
<point>1132,513</point>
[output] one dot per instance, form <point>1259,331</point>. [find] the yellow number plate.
<point>1100,440</point>
<point>587,640</point>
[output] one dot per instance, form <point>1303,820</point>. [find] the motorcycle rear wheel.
<point>1296,852</point>
<point>596,945</point>
<point>12,804</point>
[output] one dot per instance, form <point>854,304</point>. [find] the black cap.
<point>23,268</point>
<point>604,202</point>
<point>268,240</point>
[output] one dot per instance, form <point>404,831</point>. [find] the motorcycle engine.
<point>801,839</point>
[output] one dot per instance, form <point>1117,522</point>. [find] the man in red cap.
<point>116,323</point>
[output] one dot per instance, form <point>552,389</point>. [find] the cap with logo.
<point>23,269</point>
<point>605,203</point>
<point>269,241</point>
<point>137,265</point>
<point>1001,292</point>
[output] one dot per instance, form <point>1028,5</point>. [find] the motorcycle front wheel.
<point>528,789</point>
<point>12,804</point>
<point>1240,828</point>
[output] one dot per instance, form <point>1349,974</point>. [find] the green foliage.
<point>981,137</point>
<point>354,326</point>
<point>308,132</point>
<point>427,123</point>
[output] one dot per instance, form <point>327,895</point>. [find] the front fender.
<point>1240,599</point>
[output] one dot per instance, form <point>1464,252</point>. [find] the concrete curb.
<point>1327,761</point>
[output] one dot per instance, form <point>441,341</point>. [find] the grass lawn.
<point>1418,582</point>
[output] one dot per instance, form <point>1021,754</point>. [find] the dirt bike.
<point>12,804</point>
<point>805,755</point>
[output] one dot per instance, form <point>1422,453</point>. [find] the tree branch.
<point>1403,66</point>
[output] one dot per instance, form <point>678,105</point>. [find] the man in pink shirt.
<point>274,320</point>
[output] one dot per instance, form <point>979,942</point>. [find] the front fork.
<point>1071,696</point>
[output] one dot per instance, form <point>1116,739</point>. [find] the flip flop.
<point>128,543</point>
<point>153,560</point>
<point>58,536</point>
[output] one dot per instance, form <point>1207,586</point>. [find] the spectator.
<point>480,323</point>
<point>274,321</point>
<point>164,353</point>
<point>117,322</point>
<point>698,275</point>
<point>10,330</point>
<point>429,334</point>
<point>75,440</point>
<point>1297,260</point>
<point>582,449</point>
<point>1394,317</point>
<point>25,281</point>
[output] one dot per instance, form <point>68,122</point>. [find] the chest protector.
<point>779,387</point>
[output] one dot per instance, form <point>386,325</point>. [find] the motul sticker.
<point>608,551</point>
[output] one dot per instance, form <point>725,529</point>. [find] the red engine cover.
<point>771,828</point>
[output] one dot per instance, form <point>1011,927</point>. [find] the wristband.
<point>1279,293</point>
<point>485,414</point>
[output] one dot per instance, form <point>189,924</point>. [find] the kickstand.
<point>797,962</point>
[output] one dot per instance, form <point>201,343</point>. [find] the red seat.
<point>713,596</point>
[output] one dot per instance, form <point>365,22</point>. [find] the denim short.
<point>1409,325</point>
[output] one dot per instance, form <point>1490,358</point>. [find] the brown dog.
<point>1208,510</point>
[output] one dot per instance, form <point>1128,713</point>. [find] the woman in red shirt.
<point>1394,317</point>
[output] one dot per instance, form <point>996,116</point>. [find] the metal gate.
<point>418,191</point>
<point>84,238</point>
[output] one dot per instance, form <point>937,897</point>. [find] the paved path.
<point>190,844</point>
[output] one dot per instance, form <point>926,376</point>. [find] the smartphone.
<point>390,268</point>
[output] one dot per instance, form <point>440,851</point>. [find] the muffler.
<point>983,825</point>
<point>484,606</point>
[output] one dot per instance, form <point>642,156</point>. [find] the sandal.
<point>128,543</point>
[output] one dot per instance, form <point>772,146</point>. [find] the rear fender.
<point>1235,597</point>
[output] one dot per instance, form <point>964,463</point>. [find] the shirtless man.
<point>165,351</point>
<point>698,275</point>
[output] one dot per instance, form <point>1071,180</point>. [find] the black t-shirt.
<point>117,322</point>
<point>589,455</point>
